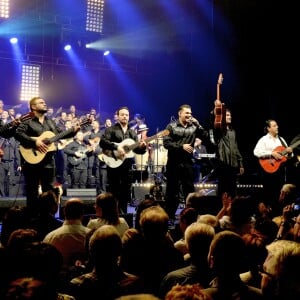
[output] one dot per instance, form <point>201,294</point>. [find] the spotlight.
<point>13,40</point>
<point>106,52</point>
<point>68,47</point>
<point>87,45</point>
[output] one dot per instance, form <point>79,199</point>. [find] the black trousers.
<point>119,183</point>
<point>180,178</point>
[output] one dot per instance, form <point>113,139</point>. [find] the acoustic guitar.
<point>33,156</point>
<point>270,164</point>
<point>113,159</point>
<point>220,111</point>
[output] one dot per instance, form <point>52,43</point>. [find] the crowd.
<point>242,252</point>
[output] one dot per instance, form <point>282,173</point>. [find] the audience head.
<point>198,237</point>
<point>74,209</point>
<point>30,288</point>
<point>105,246</point>
<point>280,275</point>
<point>227,253</point>
<point>148,202</point>
<point>107,207</point>
<point>15,217</point>
<point>154,222</point>
<point>21,238</point>
<point>288,194</point>
<point>187,292</point>
<point>48,202</point>
<point>187,216</point>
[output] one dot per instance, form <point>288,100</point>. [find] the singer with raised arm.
<point>179,168</point>
<point>229,161</point>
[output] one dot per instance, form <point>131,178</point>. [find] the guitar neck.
<point>147,140</point>
<point>60,136</point>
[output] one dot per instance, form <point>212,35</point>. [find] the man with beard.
<point>38,153</point>
<point>115,142</point>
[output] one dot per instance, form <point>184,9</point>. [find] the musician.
<point>179,168</point>
<point>120,178</point>
<point>8,129</point>
<point>78,153</point>
<point>93,176</point>
<point>30,135</point>
<point>265,149</point>
<point>138,120</point>
<point>10,166</point>
<point>229,161</point>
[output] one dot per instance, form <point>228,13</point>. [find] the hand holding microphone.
<point>195,122</point>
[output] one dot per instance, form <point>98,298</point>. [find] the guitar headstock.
<point>85,122</point>
<point>220,79</point>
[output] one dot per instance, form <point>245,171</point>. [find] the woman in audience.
<point>107,214</point>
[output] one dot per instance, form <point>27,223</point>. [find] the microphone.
<point>195,122</point>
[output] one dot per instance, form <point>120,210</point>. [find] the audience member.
<point>107,279</point>
<point>150,253</point>
<point>107,212</point>
<point>187,216</point>
<point>280,273</point>
<point>46,220</point>
<point>187,292</point>
<point>227,257</point>
<point>69,239</point>
<point>198,238</point>
<point>14,218</point>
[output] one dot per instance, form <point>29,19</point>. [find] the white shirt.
<point>266,145</point>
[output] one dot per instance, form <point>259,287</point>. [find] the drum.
<point>141,161</point>
<point>159,156</point>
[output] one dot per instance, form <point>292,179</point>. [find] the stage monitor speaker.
<point>81,192</point>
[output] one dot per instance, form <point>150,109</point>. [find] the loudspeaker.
<point>81,192</point>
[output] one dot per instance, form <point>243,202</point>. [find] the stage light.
<point>94,15</point>
<point>68,47</point>
<point>87,45</point>
<point>107,52</point>
<point>30,84</point>
<point>13,40</point>
<point>4,9</point>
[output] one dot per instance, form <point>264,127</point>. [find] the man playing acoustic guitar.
<point>30,134</point>
<point>119,161</point>
<point>272,151</point>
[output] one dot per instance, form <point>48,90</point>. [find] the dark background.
<point>168,52</point>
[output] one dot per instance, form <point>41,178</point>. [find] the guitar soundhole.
<point>126,149</point>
